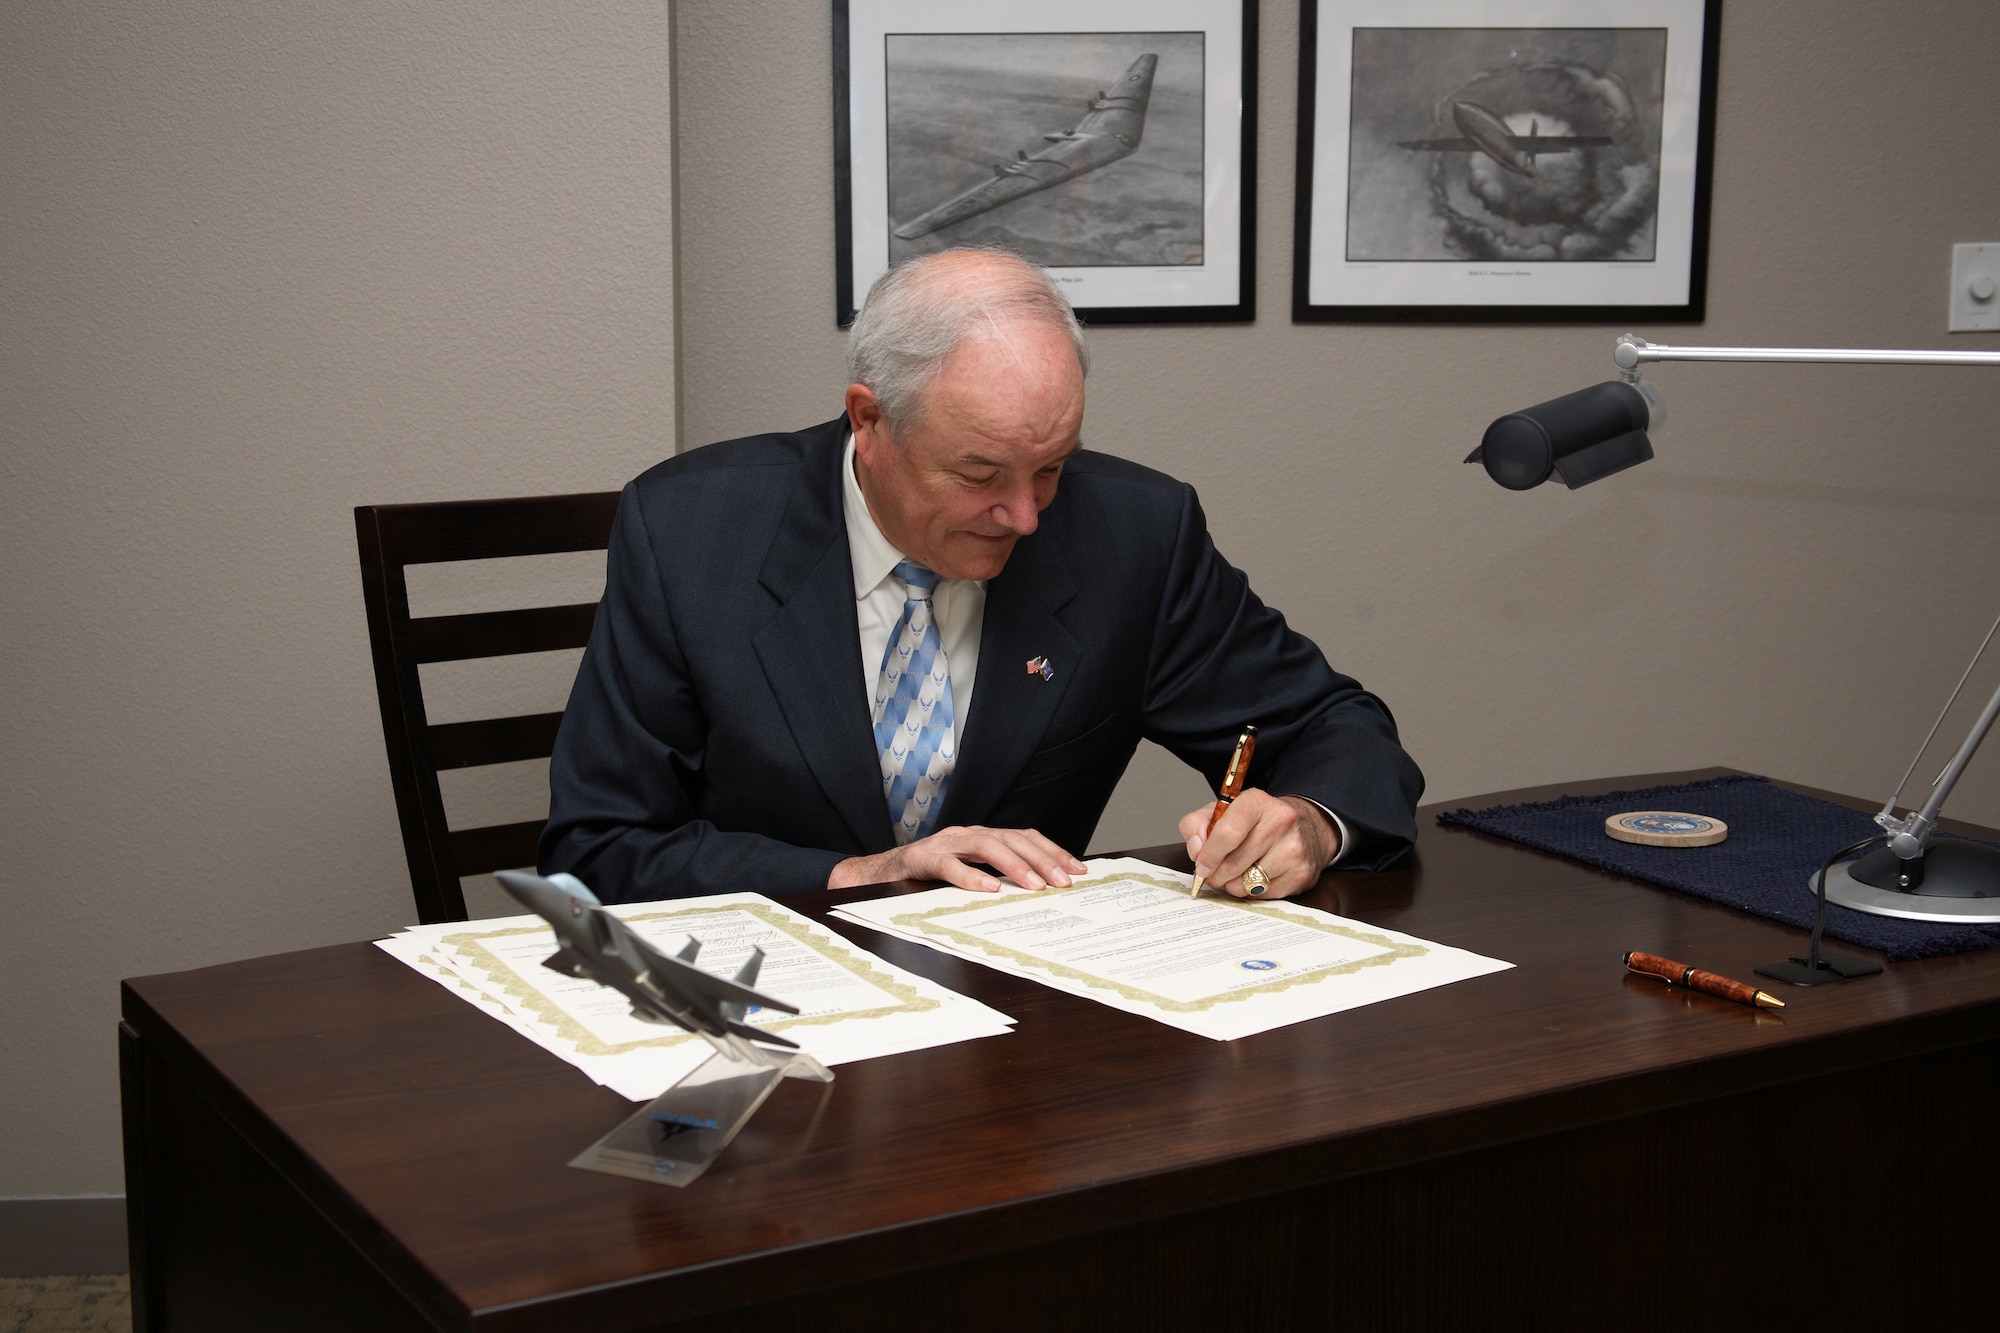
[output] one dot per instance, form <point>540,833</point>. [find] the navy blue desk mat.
<point>1777,839</point>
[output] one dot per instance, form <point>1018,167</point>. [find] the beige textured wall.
<point>1791,587</point>
<point>260,263</point>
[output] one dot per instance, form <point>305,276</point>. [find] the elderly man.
<point>923,640</point>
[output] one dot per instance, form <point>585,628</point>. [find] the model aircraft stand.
<point>682,1131</point>
<point>679,1134</point>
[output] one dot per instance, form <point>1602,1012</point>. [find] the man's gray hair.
<point>923,309</point>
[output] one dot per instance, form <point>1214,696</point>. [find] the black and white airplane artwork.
<point>1486,132</point>
<point>663,988</point>
<point>1111,129</point>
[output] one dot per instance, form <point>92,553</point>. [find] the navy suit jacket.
<point>718,737</point>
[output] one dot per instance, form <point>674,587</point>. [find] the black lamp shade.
<point>1583,436</point>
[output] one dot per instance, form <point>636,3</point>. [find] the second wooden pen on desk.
<point>1680,974</point>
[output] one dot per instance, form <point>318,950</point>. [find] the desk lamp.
<point>1589,435</point>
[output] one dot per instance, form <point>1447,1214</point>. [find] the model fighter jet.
<point>1110,130</point>
<point>663,988</point>
<point>1486,132</point>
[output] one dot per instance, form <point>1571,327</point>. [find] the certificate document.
<point>852,1004</point>
<point>1129,935</point>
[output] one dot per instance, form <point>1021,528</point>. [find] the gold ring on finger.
<point>1256,881</point>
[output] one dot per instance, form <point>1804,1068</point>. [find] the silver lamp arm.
<point>1912,834</point>
<point>1916,875</point>
<point>1632,351</point>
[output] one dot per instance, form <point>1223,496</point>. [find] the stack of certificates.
<point>1129,935</point>
<point>852,1004</point>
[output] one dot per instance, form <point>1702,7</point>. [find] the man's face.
<point>958,488</point>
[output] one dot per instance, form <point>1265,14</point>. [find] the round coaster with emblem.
<point>1666,828</point>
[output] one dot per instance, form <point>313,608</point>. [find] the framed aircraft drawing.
<point>1110,141</point>
<point>1504,160</point>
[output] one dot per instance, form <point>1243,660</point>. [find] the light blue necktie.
<point>913,711</point>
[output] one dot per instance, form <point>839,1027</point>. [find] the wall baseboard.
<point>46,1237</point>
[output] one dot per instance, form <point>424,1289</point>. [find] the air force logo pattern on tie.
<point>913,711</point>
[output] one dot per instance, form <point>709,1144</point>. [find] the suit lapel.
<point>810,650</point>
<point>1011,708</point>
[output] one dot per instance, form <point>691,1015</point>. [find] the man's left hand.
<point>1288,836</point>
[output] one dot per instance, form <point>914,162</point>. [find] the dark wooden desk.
<point>327,1140</point>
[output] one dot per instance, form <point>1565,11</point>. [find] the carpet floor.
<point>100,1303</point>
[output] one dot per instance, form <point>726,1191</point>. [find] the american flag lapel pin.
<point>1039,666</point>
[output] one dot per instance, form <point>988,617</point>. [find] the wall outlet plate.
<point>1975,288</point>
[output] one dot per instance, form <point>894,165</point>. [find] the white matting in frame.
<point>1505,159</point>
<point>944,99</point>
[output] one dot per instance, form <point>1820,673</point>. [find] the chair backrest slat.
<point>480,851</point>
<point>539,629</point>
<point>391,537</point>
<point>423,534</point>
<point>494,740</point>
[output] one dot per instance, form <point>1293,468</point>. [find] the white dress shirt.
<point>959,604</point>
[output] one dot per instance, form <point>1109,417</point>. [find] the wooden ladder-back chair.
<point>394,536</point>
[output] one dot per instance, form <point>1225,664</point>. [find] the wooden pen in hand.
<point>1679,974</point>
<point>1232,787</point>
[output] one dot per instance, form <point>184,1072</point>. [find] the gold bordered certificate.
<point>853,1005</point>
<point>1128,935</point>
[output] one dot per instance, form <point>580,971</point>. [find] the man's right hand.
<point>956,855</point>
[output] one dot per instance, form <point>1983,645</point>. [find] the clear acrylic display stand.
<point>679,1134</point>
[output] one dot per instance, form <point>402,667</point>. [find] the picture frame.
<point>1504,161</point>
<point>1111,141</point>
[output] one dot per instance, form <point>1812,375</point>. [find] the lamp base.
<point>1961,884</point>
<point>1832,967</point>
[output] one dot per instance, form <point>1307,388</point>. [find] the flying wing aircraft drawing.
<point>662,988</point>
<point>1111,129</point>
<point>1486,132</point>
